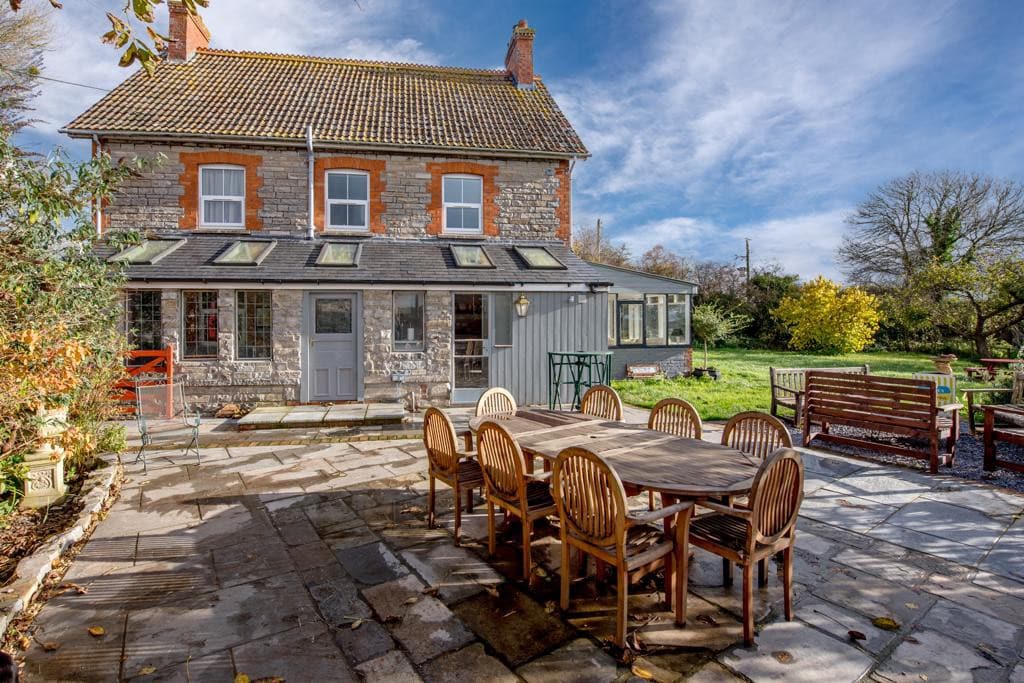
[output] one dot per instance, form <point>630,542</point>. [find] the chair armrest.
<point>660,513</point>
<point>950,407</point>
<point>739,513</point>
<point>539,476</point>
<point>468,438</point>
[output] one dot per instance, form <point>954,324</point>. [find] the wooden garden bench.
<point>1010,430</point>
<point>644,371</point>
<point>788,387</point>
<point>889,405</point>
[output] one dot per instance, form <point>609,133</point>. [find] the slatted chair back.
<point>590,497</point>
<point>677,417</point>
<point>945,386</point>
<point>795,379</point>
<point>755,433</point>
<point>440,441</point>
<point>496,401</point>
<point>776,495</point>
<point>503,463</point>
<point>602,401</point>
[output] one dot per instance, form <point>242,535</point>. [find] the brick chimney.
<point>519,58</point>
<point>187,33</point>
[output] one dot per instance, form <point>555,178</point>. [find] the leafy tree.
<point>720,283</point>
<point>125,35</point>
<point>767,289</point>
<point>59,339</point>
<point>23,37</point>
<point>711,324</point>
<point>585,245</point>
<point>825,317</point>
<point>661,261</point>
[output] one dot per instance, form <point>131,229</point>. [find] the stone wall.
<point>674,361</point>
<point>531,196</point>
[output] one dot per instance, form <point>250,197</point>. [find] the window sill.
<point>345,231</point>
<point>462,235</point>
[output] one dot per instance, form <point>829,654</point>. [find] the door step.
<point>346,415</point>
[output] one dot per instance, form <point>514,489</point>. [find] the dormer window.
<point>462,203</point>
<point>348,199</point>
<point>222,196</point>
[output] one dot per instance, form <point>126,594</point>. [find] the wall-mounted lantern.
<point>522,305</point>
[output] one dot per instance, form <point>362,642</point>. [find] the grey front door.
<point>332,347</point>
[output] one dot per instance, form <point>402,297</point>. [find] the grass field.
<point>744,383</point>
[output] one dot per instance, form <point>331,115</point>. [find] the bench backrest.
<point>643,371</point>
<point>945,385</point>
<point>794,378</point>
<point>1018,388</point>
<point>905,403</point>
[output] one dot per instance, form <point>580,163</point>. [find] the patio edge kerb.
<point>33,569</point>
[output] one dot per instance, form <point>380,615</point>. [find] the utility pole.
<point>598,247</point>
<point>747,240</point>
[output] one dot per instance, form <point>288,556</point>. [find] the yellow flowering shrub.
<point>826,317</point>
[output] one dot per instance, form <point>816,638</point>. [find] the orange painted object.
<point>157,366</point>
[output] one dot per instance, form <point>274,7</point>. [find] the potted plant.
<point>711,324</point>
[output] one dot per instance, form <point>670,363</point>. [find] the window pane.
<point>452,191</point>
<point>677,332</point>
<point>245,253</point>
<point>612,304</point>
<point>338,254</point>
<point>213,181</point>
<point>339,215</point>
<point>143,319</point>
<point>333,316</point>
<point>539,257</point>
<point>336,186</point>
<point>631,321</point>
<point>357,186</point>
<point>503,316</point>
<point>454,219</point>
<point>200,320</point>
<point>655,320</point>
<point>472,189</point>
<point>470,256</point>
<point>408,321</point>
<point>254,325</point>
<point>233,212</point>
<point>357,215</point>
<point>234,182</point>
<point>470,219</point>
<point>213,211</point>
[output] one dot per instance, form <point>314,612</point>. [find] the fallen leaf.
<point>640,671</point>
<point>269,679</point>
<point>24,643</point>
<point>81,590</point>
<point>508,614</point>
<point>492,591</point>
<point>707,619</point>
<point>847,504</point>
<point>885,623</point>
<point>357,623</point>
<point>431,591</point>
<point>50,646</point>
<point>540,572</point>
<point>411,601</point>
<point>856,635</point>
<point>649,671</point>
<point>782,656</point>
<point>146,670</point>
<point>97,631</point>
<point>912,639</point>
<point>412,510</point>
<point>550,606</point>
<point>241,678</point>
<point>923,677</point>
<point>910,605</point>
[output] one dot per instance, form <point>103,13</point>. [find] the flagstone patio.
<point>313,562</point>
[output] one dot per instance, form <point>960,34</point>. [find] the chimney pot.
<point>519,58</point>
<point>187,33</point>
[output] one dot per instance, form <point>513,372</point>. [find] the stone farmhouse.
<point>321,230</point>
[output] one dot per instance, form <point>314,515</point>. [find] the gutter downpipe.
<point>98,149</point>
<point>311,227</point>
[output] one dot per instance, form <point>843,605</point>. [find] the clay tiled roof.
<point>353,103</point>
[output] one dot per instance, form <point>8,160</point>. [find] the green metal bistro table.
<point>578,369</point>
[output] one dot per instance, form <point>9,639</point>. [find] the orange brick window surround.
<point>190,182</point>
<point>489,174</point>
<point>373,167</point>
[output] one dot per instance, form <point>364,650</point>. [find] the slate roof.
<point>259,96</point>
<point>381,261</point>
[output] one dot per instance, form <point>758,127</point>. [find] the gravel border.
<point>33,569</point>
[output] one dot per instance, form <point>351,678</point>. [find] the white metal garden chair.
<point>163,415</point>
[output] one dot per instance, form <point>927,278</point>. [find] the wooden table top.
<point>643,458</point>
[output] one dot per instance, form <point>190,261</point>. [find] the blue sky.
<point>709,122</point>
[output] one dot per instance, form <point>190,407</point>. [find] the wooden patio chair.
<point>446,463</point>
<point>676,417</point>
<point>755,433</point>
<point>496,401</point>
<point>511,487</point>
<point>163,416</point>
<point>749,536</point>
<point>602,401</point>
<point>593,518</point>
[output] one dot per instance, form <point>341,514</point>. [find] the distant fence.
<point>148,367</point>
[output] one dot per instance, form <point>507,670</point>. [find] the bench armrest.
<point>951,407</point>
<point>795,392</point>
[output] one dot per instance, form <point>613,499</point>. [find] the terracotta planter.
<point>45,483</point>
<point>944,363</point>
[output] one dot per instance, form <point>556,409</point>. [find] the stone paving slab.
<point>263,558</point>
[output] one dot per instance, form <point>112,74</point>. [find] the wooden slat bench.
<point>788,387</point>
<point>1011,431</point>
<point>644,371</point>
<point>889,405</point>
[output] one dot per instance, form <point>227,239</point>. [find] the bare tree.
<point>661,261</point>
<point>23,38</point>
<point>909,222</point>
<point>587,246</point>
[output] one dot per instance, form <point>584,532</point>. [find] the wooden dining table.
<point>675,467</point>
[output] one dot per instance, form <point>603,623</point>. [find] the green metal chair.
<point>163,415</point>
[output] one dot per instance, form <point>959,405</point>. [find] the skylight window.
<point>147,253</point>
<point>245,253</point>
<point>339,254</point>
<point>470,256</point>
<point>540,258</point>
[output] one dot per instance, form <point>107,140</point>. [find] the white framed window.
<point>348,200</point>
<point>221,196</point>
<point>462,203</point>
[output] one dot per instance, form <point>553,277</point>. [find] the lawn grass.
<point>744,384</point>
